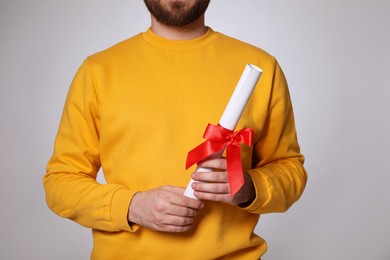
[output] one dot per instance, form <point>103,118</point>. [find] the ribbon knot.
<point>218,138</point>
<point>236,138</point>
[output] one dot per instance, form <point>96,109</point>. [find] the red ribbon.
<point>218,138</point>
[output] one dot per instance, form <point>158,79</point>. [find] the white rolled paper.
<point>234,109</point>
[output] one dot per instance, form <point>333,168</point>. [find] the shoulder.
<point>235,44</point>
<point>235,49</point>
<point>118,51</point>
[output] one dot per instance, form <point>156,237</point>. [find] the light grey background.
<point>335,54</point>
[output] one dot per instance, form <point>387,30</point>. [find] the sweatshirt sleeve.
<point>70,181</point>
<point>279,176</point>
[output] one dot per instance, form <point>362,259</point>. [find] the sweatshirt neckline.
<point>178,45</point>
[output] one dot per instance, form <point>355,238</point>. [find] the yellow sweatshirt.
<point>135,110</point>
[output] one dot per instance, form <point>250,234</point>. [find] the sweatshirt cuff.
<point>119,208</point>
<point>262,192</point>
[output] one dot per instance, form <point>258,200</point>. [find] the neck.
<point>187,32</point>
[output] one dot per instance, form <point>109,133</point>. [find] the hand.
<point>164,209</point>
<point>214,185</point>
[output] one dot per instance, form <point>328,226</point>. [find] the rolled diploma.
<point>233,110</point>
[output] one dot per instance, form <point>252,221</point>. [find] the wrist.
<point>132,212</point>
<point>247,193</point>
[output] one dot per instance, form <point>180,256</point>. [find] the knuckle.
<point>224,188</point>
<point>183,201</point>
<point>197,185</point>
<point>217,188</point>
<point>181,221</point>
<point>178,211</point>
<point>223,177</point>
<point>160,208</point>
<point>187,212</point>
<point>158,219</point>
<point>186,221</point>
<point>161,196</point>
<point>222,163</point>
<point>178,221</point>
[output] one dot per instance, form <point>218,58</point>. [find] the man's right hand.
<point>164,209</point>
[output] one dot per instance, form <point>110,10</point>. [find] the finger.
<point>215,188</point>
<point>163,227</point>
<point>186,202</point>
<point>176,221</point>
<point>178,229</point>
<point>213,196</point>
<point>182,211</point>
<point>214,163</point>
<point>177,198</point>
<point>220,177</point>
<point>173,228</point>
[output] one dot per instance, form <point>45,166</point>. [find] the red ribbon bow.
<point>218,138</point>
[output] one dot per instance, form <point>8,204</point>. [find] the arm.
<point>278,175</point>
<point>278,178</point>
<point>70,182</point>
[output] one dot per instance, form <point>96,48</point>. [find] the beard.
<point>177,13</point>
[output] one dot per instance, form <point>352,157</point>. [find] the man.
<point>137,108</point>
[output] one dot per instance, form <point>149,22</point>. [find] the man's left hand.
<point>214,185</point>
